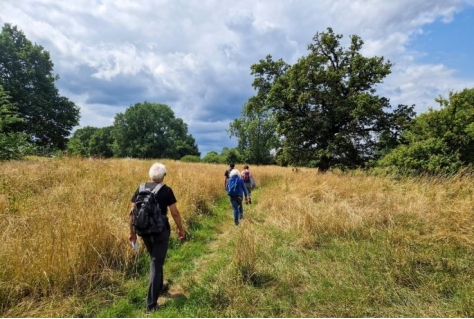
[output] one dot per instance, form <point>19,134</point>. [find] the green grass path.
<point>185,262</point>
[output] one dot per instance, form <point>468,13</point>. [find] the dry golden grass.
<point>64,221</point>
<point>310,245</point>
<point>336,204</point>
<point>345,245</point>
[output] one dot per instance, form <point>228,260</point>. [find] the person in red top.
<point>249,182</point>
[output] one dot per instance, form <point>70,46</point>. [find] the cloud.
<point>195,56</point>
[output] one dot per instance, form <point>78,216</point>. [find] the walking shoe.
<point>149,310</point>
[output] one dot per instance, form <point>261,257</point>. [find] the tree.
<point>439,141</point>
<point>212,157</point>
<point>326,107</point>
<point>101,142</point>
<point>26,74</point>
<point>79,144</point>
<point>190,159</point>
<point>231,155</point>
<point>256,130</point>
<point>13,145</point>
<point>150,130</point>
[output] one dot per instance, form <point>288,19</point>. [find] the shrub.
<point>190,159</point>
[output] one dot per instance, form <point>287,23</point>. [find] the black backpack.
<point>147,216</point>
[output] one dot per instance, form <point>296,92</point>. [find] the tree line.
<point>144,130</point>
<point>35,119</point>
<point>323,112</point>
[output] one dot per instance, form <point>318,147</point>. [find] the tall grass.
<point>310,245</point>
<point>65,222</point>
<point>349,245</point>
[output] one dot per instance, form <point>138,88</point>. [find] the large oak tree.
<point>326,105</point>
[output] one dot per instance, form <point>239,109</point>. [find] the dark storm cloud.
<point>123,90</point>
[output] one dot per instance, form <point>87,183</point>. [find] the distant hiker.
<point>156,240</point>
<point>249,182</point>
<point>226,174</point>
<point>236,189</point>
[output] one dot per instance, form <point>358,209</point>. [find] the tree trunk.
<point>324,164</point>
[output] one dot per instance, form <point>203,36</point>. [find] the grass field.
<point>310,245</point>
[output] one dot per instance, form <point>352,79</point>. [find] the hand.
<point>132,237</point>
<point>181,236</point>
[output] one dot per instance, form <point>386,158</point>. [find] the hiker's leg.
<point>249,192</point>
<point>241,208</point>
<point>158,255</point>
<point>235,209</point>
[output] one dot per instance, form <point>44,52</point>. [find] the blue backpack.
<point>232,186</point>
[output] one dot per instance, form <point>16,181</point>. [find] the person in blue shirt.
<point>236,189</point>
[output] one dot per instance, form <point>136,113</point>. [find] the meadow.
<point>311,245</point>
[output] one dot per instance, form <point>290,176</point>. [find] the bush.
<point>14,146</point>
<point>190,159</point>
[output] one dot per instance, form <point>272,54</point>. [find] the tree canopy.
<point>13,145</point>
<point>439,141</point>
<point>150,130</point>
<point>26,74</point>
<point>79,142</point>
<point>326,105</point>
<point>256,129</point>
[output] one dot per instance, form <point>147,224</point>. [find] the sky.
<point>195,56</point>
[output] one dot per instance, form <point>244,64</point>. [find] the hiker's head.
<point>234,172</point>
<point>231,165</point>
<point>246,167</point>
<point>157,172</point>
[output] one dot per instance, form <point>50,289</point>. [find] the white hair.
<point>234,172</point>
<point>157,171</point>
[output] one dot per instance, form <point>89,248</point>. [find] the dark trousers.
<point>237,208</point>
<point>157,246</point>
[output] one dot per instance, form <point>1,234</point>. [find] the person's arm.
<point>132,237</point>
<point>177,219</point>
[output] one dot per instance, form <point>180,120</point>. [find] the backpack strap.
<point>154,190</point>
<point>157,188</point>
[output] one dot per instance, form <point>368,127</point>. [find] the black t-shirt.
<point>165,196</point>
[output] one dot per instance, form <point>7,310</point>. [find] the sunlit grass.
<point>349,245</point>
<point>310,245</point>
<point>64,221</point>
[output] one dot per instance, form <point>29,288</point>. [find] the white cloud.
<point>196,55</point>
